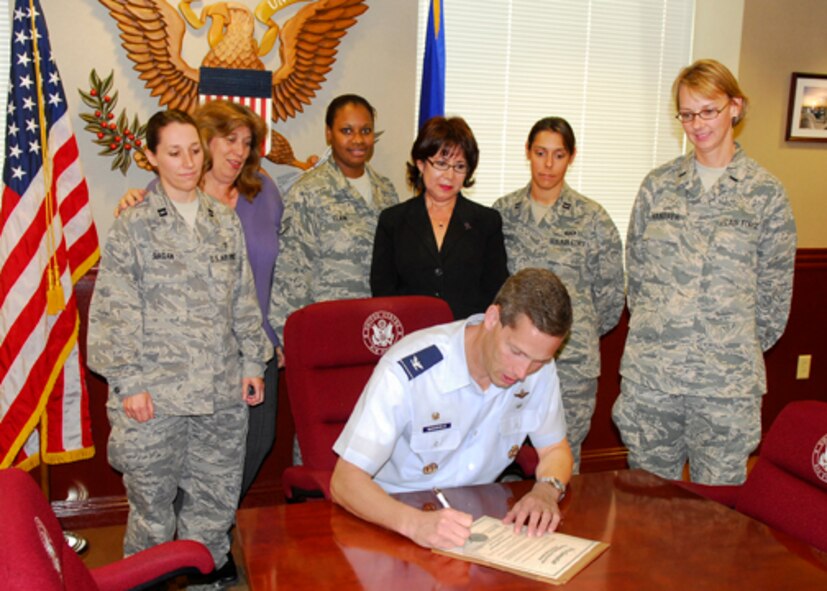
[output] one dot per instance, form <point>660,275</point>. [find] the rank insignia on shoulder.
<point>521,394</point>
<point>420,361</point>
<point>162,212</point>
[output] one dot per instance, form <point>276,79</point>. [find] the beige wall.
<point>779,38</point>
<point>717,32</point>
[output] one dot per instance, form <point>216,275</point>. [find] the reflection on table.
<point>661,537</point>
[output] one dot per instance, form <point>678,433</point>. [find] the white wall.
<point>376,59</point>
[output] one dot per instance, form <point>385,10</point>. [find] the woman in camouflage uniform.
<point>547,224</point>
<point>175,328</point>
<point>709,256</point>
<point>330,217</point>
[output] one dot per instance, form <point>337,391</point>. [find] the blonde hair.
<point>219,119</point>
<point>708,77</point>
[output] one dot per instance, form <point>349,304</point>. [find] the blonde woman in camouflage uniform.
<point>547,224</point>
<point>330,217</point>
<point>709,255</point>
<point>175,327</point>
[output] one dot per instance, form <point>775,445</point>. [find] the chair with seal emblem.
<point>34,554</point>
<point>330,351</point>
<point>787,487</point>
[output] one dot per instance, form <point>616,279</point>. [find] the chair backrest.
<point>787,487</point>
<point>330,351</point>
<point>33,552</point>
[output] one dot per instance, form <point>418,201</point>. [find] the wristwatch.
<point>556,483</point>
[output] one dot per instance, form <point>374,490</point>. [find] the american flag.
<point>47,242</point>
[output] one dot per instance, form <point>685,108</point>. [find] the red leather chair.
<point>34,555</point>
<point>787,487</point>
<point>330,351</point>
<point>527,459</point>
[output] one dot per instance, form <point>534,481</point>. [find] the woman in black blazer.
<point>440,243</point>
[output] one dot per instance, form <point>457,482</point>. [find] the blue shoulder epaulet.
<point>420,361</point>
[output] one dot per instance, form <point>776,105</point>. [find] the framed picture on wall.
<point>807,112</point>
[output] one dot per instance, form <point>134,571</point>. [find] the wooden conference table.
<point>662,538</point>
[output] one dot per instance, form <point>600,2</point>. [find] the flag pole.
<point>45,483</point>
<point>55,300</point>
<point>45,476</point>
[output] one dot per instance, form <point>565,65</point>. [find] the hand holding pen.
<point>447,528</point>
<point>445,505</point>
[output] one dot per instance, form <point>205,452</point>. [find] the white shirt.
<point>422,421</point>
<point>709,175</point>
<point>188,211</point>
<point>363,186</point>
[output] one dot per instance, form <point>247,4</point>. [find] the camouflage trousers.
<point>662,431</point>
<point>579,397</point>
<point>203,455</point>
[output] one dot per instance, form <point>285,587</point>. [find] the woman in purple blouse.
<point>233,135</point>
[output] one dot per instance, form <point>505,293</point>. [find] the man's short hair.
<point>541,296</point>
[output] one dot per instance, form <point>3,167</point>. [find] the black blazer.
<point>467,272</point>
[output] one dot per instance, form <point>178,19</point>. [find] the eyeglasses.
<point>444,165</point>
<point>706,114</point>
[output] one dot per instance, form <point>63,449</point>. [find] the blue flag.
<point>432,95</point>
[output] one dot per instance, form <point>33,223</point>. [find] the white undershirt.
<point>539,210</point>
<point>187,210</point>
<point>709,176</point>
<point>362,185</point>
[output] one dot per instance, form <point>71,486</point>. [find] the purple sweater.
<point>260,221</point>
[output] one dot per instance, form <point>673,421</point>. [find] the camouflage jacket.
<point>709,278</point>
<point>578,241</point>
<point>174,310</point>
<point>327,235</point>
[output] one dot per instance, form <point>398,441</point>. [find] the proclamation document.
<point>554,557</point>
